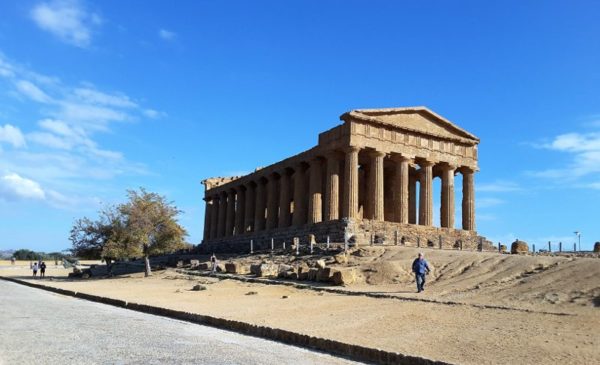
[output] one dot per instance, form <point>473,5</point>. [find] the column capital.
<point>348,149</point>
<point>376,153</point>
<point>467,169</point>
<point>425,163</point>
<point>446,166</point>
<point>401,158</point>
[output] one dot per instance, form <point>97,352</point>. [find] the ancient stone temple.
<point>372,177</point>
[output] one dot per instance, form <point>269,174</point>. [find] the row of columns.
<point>243,208</point>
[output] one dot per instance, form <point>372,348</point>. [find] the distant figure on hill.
<point>213,262</point>
<point>43,270</point>
<point>420,268</point>
<point>35,269</point>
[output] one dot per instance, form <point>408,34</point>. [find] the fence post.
<point>284,245</point>
<point>311,247</point>
<point>440,242</point>
<point>272,245</point>
<point>395,237</point>
<point>251,246</point>
<point>328,242</point>
<point>418,241</point>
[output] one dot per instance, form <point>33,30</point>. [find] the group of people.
<point>41,266</point>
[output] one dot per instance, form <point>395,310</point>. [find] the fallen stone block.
<point>324,274</point>
<point>320,264</point>
<point>262,270</point>
<point>343,276</point>
<point>312,274</point>
<point>194,263</point>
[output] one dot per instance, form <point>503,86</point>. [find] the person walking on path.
<point>420,268</point>
<point>214,262</point>
<point>35,269</point>
<point>42,270</point>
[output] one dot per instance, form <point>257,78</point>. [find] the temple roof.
<point>416,119</point>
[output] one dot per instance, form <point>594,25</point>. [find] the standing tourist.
<point>213,262</point>
<point>420,268</point>
<point>35,269</point>
<point>43,270</point>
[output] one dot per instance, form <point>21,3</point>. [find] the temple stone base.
<point>362,231</point>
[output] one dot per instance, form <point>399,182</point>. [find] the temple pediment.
<point>413,119</point>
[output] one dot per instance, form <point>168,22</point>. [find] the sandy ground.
<point>465,334</point>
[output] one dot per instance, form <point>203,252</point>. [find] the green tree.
<point>89,238</point>
<point>151,226</point>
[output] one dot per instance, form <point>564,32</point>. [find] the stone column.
<point>272,203</point>
<point>214,217</point>
<point>315,214</point>
<point>222,215</point>
<point>401,186</point>
<point>332,186</point>
<point>376,193</point>
<point>426,194</point>
<point>412,199</point>
<point>350,202</point>
<point>284,200</point>
<point>250,207</point>
<point>468,202</point>
<point>447,206</point>
<point>299,217</point>
<point>230,219</point>
<point>240,211</point>
<point>259,212</point>
<point>207,218</point>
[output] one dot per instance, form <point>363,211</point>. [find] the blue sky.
<point>100,97</point>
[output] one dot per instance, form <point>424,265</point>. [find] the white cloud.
<point>12,135</point>
<point>96,97</point>
<point>66,19</point>
<point>498,186</point>
<point>166,34</point>
<point>584,149</point>
<point>487,202</point>
<point>14,187</point>
<point>33,92</point>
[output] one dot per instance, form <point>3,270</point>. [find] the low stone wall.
<point>364,231</point>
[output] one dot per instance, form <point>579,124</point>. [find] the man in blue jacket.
<point>420,268</point>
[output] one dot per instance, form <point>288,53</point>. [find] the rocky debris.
<point>199,287</point>
<point>341,259</point>
<point>194,263</point>
<point>343,276</point>
<point>379,239</point>
<point>320,264</point>
<point>312,274</point>
<point>323,274</point>
<point>251,293</point>
<point>519,247</point>
<point>264,269</point>
<point>203,266</point>
<point>284,297</point>
<point>236,268</point>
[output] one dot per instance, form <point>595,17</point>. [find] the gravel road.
<point>38,327</point>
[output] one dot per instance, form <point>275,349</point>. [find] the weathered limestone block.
<point>220,267</point>
<point>194,263</point>
<point>324,274</point>
<point>519,247</point>
<point>203,266</point>
<point>320,264</point>
<point>341,259</point>
<point>266,269</point>
<point>343,276</point>
<point>312,274</point>
<point>236,268</point>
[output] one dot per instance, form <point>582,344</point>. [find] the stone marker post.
<point>284,245</point>
<point>272,245</point>
<point>251,246</point>
<point>440,242</point>
<point>418,241</point>
<point>327,242</point>
<point>549,247</point>
<point>560,247</point>
<point>533,249</point>
<point>499,249</point>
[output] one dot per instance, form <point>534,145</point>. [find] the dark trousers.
<point>420,281</point>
